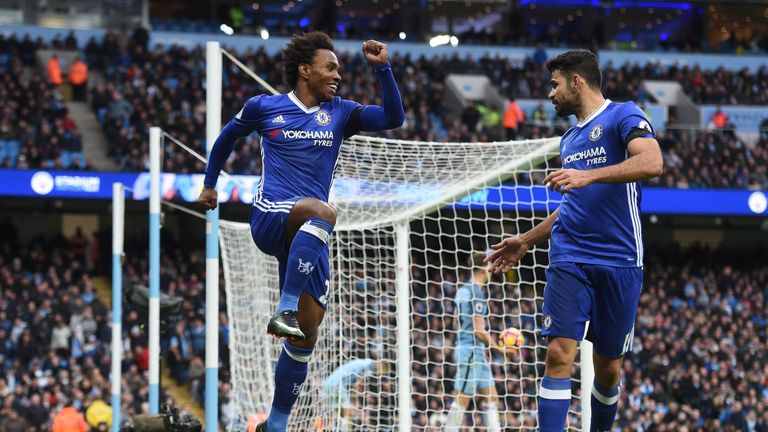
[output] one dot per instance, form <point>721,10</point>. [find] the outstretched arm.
<point>390,114</point>
<point>236,128</point>
<point>511,250</point>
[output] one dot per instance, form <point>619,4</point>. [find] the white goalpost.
<point>409,213</point>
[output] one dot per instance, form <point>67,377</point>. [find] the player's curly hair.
<point>579,61</point>
<point>300,50</point>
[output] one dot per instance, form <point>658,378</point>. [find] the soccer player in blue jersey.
<point>301,133</point>
<point>596,254</point>
<point>339,384</point>
<point>473,340</point>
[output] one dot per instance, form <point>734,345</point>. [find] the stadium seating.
<point>36,130</point>
<point>55,333</point>
<point>135,97</point>
<point>143,91</point>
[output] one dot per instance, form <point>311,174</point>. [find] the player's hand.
<point>506,351</point>
<point>209,198</point>
<point>376,52</point>
<point>510,351</point>
<point>507,253</point>
<point>566,179</point>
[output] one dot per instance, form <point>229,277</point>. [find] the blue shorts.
<point>473,372</point>
<point>605,296</point>
<point>269,224</point>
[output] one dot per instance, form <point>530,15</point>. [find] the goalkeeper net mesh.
<point>453,198</point>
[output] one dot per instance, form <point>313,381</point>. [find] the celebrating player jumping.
<point>301,133</point>
<point>596,254</point>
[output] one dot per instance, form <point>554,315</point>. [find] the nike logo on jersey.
<point>278,119</point>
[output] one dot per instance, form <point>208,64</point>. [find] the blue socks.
<point>310,241</point>
<point>554,400</point>
<point>290,373</point>
<point>605,402</point>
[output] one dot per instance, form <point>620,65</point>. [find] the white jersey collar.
<point>292,96</point>
<point>596,113</point>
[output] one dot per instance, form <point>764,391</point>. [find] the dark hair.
<point>300,50</point>
<point>475,261</point>
<point>579,61</point>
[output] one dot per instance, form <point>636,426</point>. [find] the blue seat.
<point>77,159</point>
<point>3,150</point>
<point>66,158</point>
<point>13,147</point>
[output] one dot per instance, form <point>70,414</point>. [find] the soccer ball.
<point>511,337</point>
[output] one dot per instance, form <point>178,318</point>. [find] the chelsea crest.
<point>322,117</point>
<point>596,133</point>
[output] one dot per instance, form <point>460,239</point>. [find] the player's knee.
<point>326,212</point>
<point>607,371</point>
<point>313,208</point>
<point>559,358</point>
<point>310,339</point>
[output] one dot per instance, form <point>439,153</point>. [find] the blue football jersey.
<point>600,223</point>
<point>299,145</point>
<point>470,301</point>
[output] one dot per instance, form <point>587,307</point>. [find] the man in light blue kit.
<point>596,254</point>
<point>473,340</point>
<point>301,133</point>
<point>340,382</point>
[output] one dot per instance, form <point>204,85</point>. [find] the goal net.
<point>409,215</point>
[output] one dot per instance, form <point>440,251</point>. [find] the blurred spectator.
<point>470,116</point>
<point>719,119</point>
<point>70,42</point>
<point>119,109</point>
<point>79,243</point>
<point>540,55</point>
<point>179,352</point>
<point>513,118</point>
<point>539,116</point>
<point>54,71</point>
<point>69,420</point>
<point>12,421</point>
<point>99,414</point>
<point>78,77</point>
<point>491,119</point>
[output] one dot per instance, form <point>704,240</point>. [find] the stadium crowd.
<point>55,337</point>
<point>715,159</point>
<point>36,129</point>
<point>529,79</point>
<point>144,87</point>
<point>163,86</point>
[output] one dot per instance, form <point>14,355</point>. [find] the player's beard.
<point>566,106</point>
